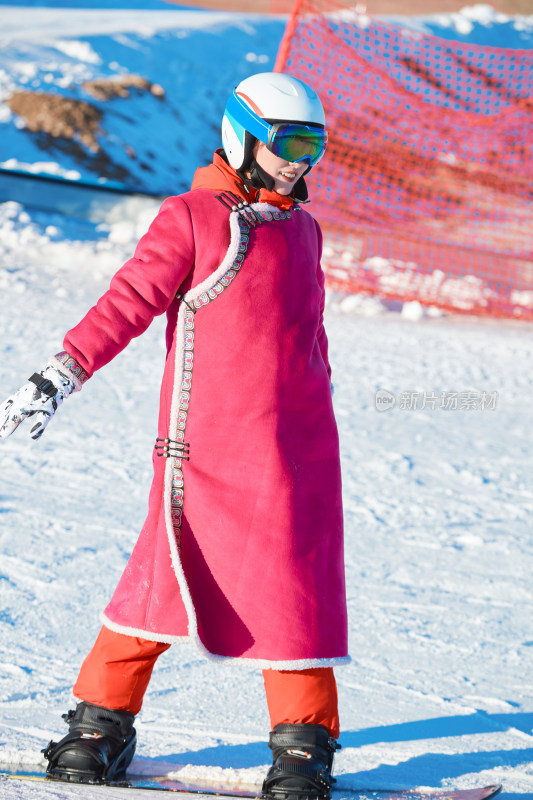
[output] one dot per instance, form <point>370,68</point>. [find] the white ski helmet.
<point>264,99</point>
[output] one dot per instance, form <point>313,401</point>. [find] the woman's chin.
<point>284,188</point>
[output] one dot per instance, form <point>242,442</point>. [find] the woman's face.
<point>284,173</point>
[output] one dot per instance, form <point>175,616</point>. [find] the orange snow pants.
<point>117,671</point>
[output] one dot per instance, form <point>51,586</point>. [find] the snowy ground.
<point>438,500</point>
<point>439,552</point>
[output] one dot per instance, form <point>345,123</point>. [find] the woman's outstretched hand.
<point>39,398</point>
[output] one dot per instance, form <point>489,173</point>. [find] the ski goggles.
<point>292,142</point>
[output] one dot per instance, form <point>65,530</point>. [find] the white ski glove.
<point>39,398</point>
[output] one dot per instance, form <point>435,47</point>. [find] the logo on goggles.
<point>292,142</point>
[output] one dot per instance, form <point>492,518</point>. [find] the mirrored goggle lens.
<point>298,142</point>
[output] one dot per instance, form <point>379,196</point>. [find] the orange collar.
<point>220,176</point>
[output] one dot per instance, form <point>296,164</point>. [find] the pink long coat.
<point>242,547</point>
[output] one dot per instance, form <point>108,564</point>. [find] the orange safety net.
<point>425,192</point>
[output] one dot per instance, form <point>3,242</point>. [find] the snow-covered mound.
<point>478,24</point>
<point>53,122</point>
<point>145,140</point>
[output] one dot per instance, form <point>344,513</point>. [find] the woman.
<point>241,550</point>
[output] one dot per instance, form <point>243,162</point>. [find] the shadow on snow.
<point>418,770</point>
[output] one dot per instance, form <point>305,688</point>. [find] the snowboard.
<point>207,790</point>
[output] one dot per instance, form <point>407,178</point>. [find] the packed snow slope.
<point>435,419</point>
<point>438,548</point>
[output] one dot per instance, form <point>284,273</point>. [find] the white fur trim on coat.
<point>193,635</point>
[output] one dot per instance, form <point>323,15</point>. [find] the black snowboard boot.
<point>303,762</point>
<point>98,747</point>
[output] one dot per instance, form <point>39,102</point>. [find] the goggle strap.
<point>248,118</point>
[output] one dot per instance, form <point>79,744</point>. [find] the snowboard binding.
<point>303,762</point>
<point>97,749</point>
